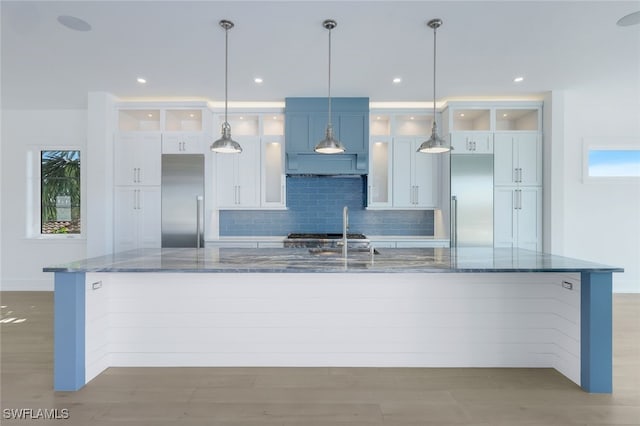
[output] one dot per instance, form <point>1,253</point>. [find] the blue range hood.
<point>305,123</point>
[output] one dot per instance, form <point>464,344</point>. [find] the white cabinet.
<point>182,143</point>
<point>471,142</point>
<point>415,183</point>
<point>518,159</point>
<point>238,176</point>
<point>137,217</point>
<point>518,217</point>
<point>379,178</point>
<point>137,159</point>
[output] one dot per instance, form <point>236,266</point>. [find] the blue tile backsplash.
<point>315,205</point>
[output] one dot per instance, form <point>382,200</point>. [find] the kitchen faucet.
<point>345,227</point>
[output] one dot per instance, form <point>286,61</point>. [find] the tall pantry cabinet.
<point>518,180</point>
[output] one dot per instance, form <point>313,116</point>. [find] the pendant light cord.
<point>434,76</point>
<point>226,72</point>
<point>329,95</point>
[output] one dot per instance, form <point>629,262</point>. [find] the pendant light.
<point>435,144</point>
<point>225,144</point>
<point>329,145</point>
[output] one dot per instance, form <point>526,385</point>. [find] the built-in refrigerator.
<point>472,200</point>
<point>183,200</point>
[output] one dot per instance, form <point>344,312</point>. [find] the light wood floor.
<point>309,396</point>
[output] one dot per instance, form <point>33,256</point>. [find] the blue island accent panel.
<point>314,205</point>
<point>596,352</point>
<point>68,329</point>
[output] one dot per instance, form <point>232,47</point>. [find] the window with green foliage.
<point>60,192</point>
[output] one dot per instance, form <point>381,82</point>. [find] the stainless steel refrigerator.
<point>472,200</point>
<point>182,200</point>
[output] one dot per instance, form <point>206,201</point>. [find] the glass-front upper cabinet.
<point>379,178</point>
<point>139,120</point>
<point>273,177</point>
<point>413,125</point>
<point>183,120</point>
<point>470,119</point>
<point>510,119</point>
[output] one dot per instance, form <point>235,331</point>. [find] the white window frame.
<point>625,144</point>
<point>33,196</point>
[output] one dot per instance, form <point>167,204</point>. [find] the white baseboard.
<point>26,285</point>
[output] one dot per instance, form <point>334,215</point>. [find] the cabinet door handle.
<point>239,199</point>
<point>520,175</point>
<point>519,194</point>
<point>515,174</point>
<point>468,145</point>
<point>134,175</point>
<point>417,194</point>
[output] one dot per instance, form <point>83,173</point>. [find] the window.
<point>60,192</point>
<point>613,163</point>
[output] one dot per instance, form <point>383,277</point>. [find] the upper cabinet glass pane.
<point>517,119</point>
<point>183,120</point>
<point>379,125</point>
<point>413,125</point>
<point>139,120</point>
<point>471,119</point>
<point>243,125</point>
<point>273,124</point>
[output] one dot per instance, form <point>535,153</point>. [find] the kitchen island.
<point>418,307</point>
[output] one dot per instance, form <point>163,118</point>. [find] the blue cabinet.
<point>305,124</point>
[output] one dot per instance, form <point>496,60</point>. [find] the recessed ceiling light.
<point>630,19</point>
<point>74,23</point>
<point>258,80</point>
<point>141,80</point>
<point>518,79</point>
<point>397,80</point>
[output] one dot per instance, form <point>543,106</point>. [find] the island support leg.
<point>596,356</point>
<point>69,329</point>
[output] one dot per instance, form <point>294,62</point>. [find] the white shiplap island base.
<point>286,307</point>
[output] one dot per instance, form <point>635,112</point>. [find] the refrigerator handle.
<point>199,216</point>
<point>454,221</point>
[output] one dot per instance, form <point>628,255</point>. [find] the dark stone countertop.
<point>301,260</point>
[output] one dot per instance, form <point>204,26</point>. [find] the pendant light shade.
<point>435,144</point>
<point>225,144</point>
<point>329,145</point>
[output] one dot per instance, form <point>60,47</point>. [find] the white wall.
<point>601,220</point>
<point>23,258</point>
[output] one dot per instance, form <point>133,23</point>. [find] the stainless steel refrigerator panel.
<point>182,200</point>
<point>472,209</point>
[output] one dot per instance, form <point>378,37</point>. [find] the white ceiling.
<point>179,48</point>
